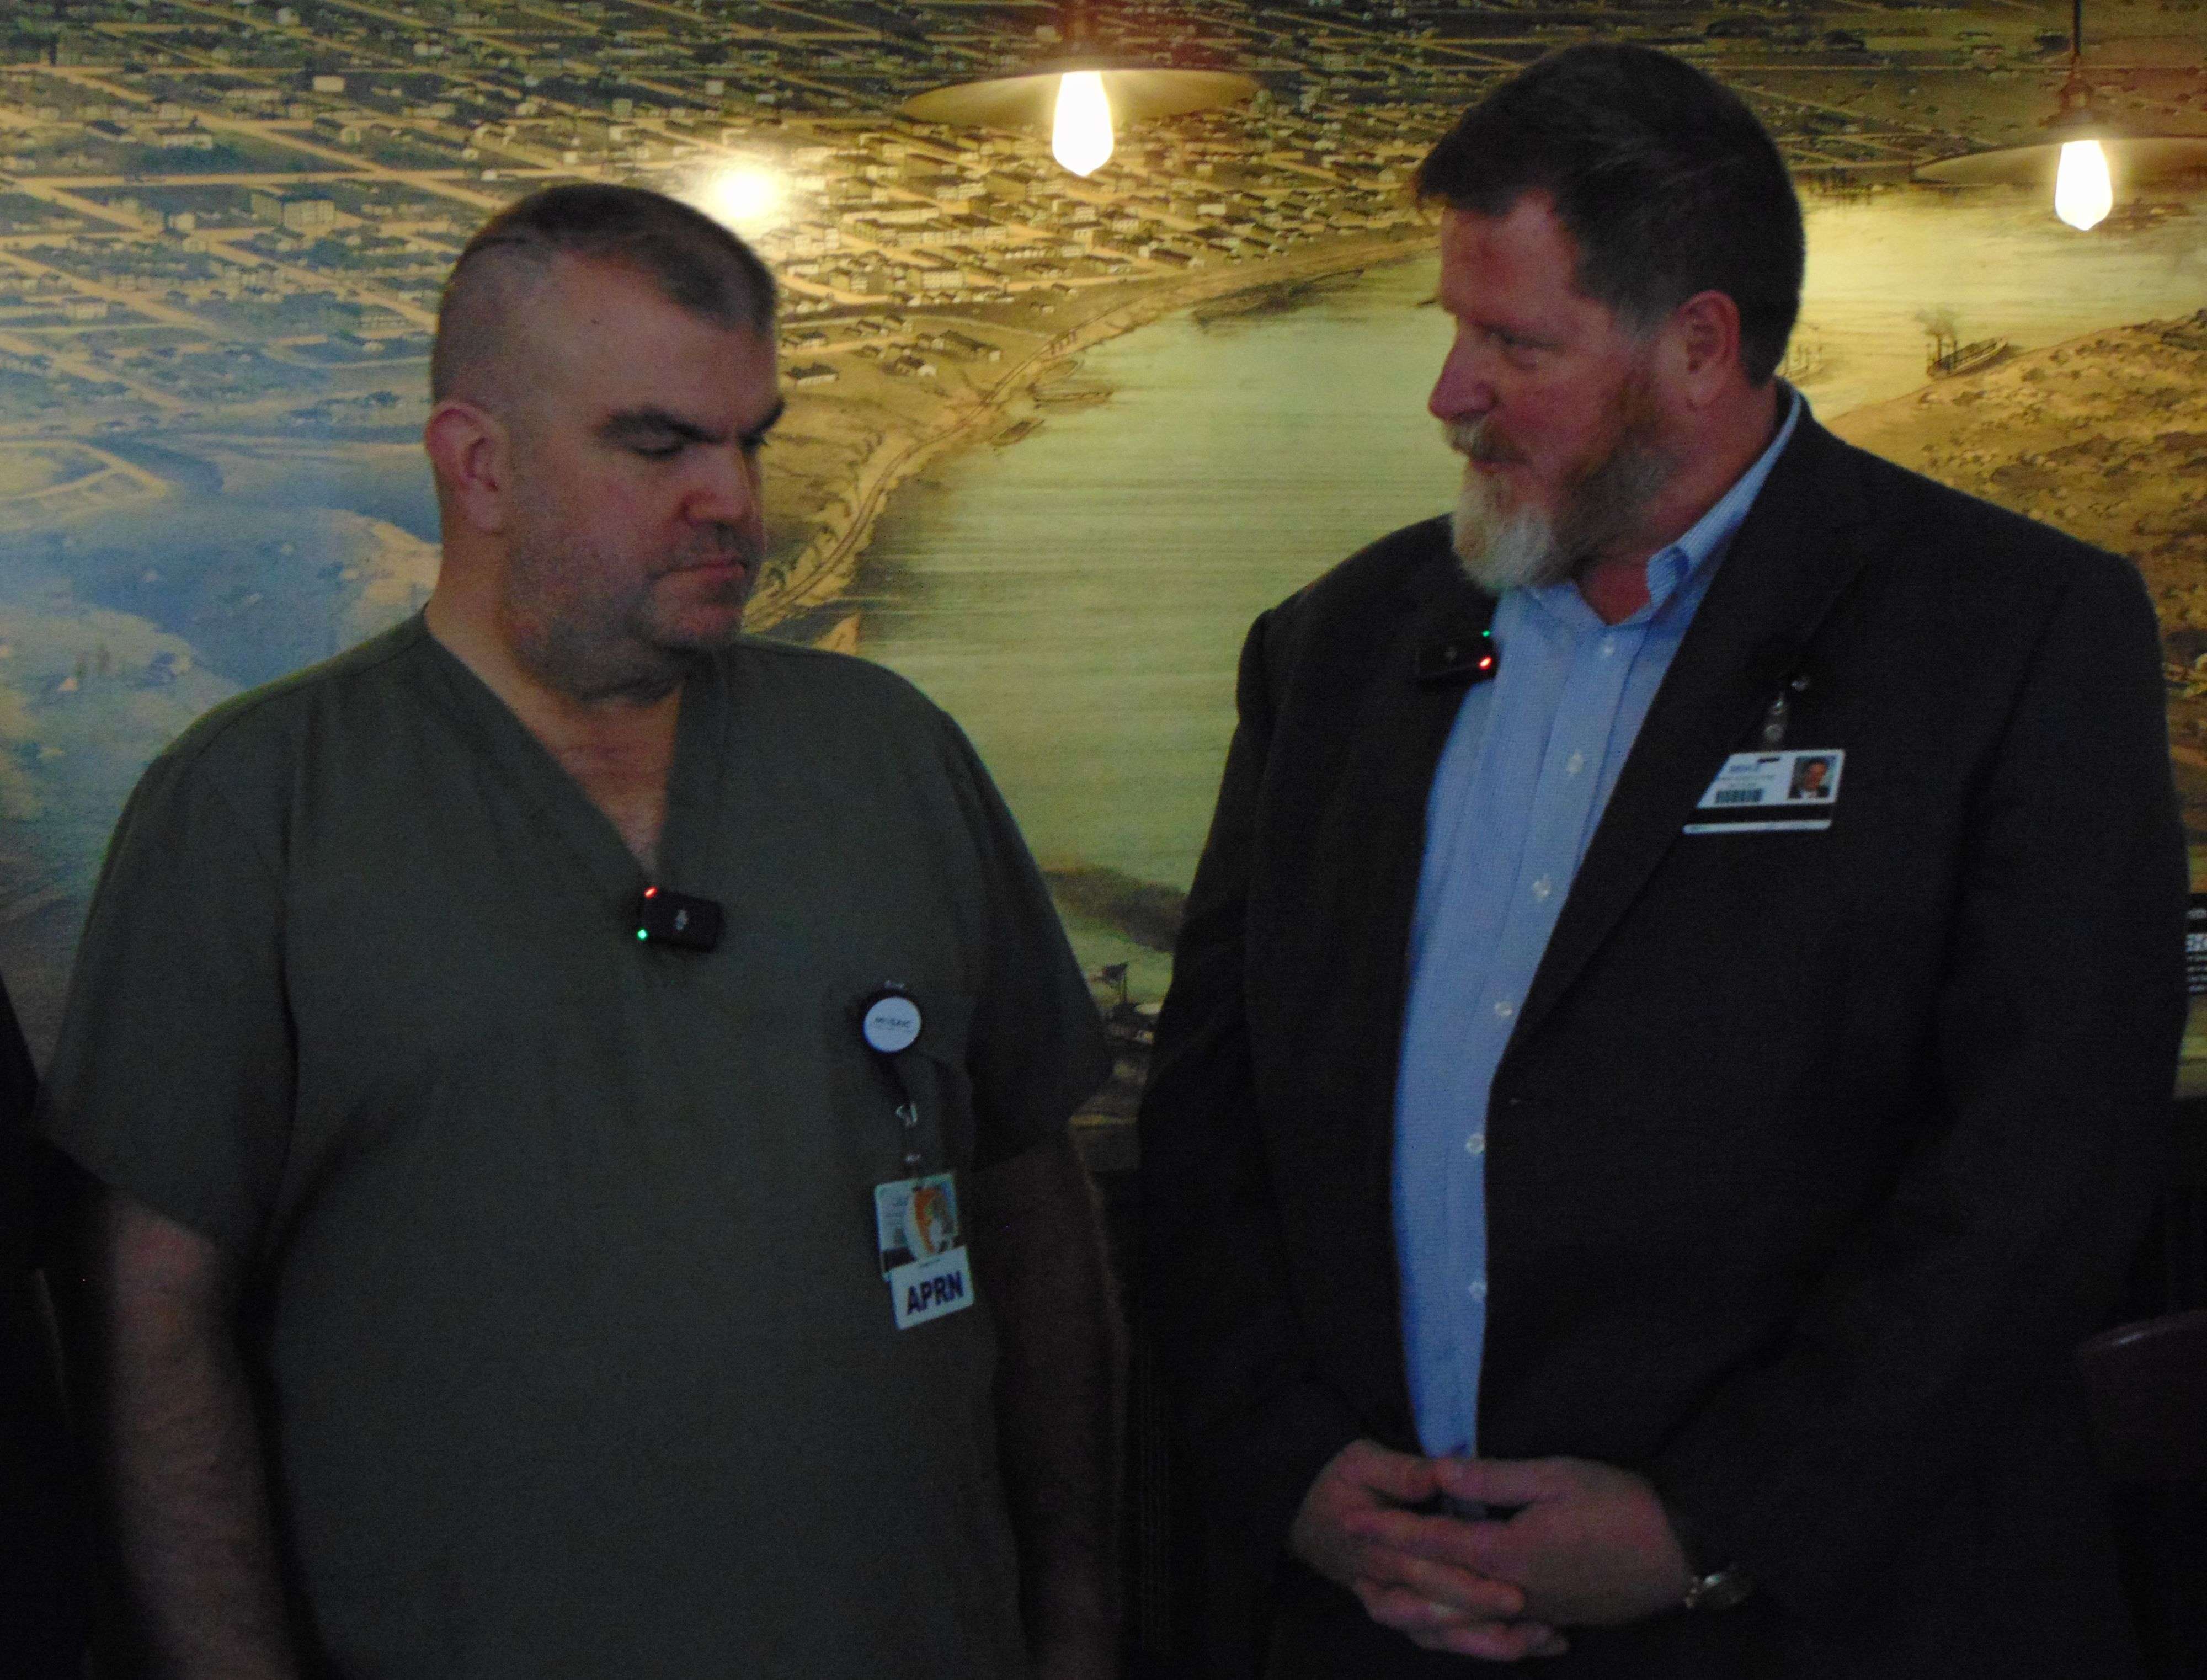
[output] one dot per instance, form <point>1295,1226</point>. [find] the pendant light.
<point>1082,98</point>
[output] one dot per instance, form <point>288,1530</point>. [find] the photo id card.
<point>916,1219</point>
<point>1772,793</point>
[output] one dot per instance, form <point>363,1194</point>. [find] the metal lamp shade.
<point>2132,157</point>
<point>1030,101</point>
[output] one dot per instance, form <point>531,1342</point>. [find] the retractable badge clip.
<point>1780,713</point>
<point>889,1021</point>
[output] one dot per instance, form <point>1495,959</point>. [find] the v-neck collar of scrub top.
<point>695,778</point>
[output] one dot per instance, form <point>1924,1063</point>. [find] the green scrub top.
<point>564,1286</point>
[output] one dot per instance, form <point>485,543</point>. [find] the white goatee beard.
<point>1527,547</point>
<point>1501,551</point>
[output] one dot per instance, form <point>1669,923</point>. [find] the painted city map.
<point>223,228</point>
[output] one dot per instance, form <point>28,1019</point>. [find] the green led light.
<point>644,933</point>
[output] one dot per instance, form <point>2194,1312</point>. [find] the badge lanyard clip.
<point>889,1021</point>
<point>908,1112</point>
<point>1781,710</point>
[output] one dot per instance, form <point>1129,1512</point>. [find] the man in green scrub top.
<point>499,1273</point>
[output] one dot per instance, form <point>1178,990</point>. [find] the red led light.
<point>1487,663</point>
<point>651,892</point>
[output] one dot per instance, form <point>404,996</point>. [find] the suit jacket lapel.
<point>1355,884</point>
<point>1788,563</point>
<point>1397,747</point>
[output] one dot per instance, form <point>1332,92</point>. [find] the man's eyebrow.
<point>656,425</point>
<point>773,418</point>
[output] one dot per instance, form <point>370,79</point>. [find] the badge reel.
<point>916,1218</point>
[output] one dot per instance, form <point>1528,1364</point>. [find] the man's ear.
<point>470,451</point>
<point>1704,344</point>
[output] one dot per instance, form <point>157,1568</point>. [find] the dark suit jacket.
<point>1813,1154</point>
<point>44,1557</point>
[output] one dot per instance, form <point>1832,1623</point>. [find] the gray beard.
<point>1529,549</point>
<point>1500,551</point>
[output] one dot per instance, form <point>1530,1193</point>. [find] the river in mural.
<point>1078,601</point>
<point>1075,595</point>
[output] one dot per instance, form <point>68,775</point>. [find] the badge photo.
<point>916,1219</point>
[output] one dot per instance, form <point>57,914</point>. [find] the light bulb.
<point>1080,134</point>
<point>2082,195</point>
<point>746,198</point>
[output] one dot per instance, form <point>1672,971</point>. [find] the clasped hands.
<point>1586,1543</point>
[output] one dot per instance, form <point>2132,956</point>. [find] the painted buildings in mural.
<point>279,187</point>
<point>223,227</point>
<point>294,178</point>
<point>238,214</point>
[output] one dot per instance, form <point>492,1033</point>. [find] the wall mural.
<point>1052,441</point>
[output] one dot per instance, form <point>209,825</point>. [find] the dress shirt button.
<point>1608,646</point>
<point>1475,1144</point>
<point>1478,1290</point>
<point>1504,1007</point>
<point>1543,886</point>
<point>1574,763</point>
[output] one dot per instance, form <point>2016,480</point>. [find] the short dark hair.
<point>1663,178</point>
<point>694,261</point>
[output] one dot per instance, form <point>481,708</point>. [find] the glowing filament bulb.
<point>2083,194</point>
<point>1080,134</point>
<point>746,198</point>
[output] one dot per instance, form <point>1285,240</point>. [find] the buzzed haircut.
<point>1662,176</point>
<point>696,263</point>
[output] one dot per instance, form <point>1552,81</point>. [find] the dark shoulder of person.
<point>45,1554</point>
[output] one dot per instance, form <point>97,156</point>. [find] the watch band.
<point>1720,1589</point>
<point>1708,1587</point>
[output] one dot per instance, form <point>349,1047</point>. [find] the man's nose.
<point>1462,390</point>
<point>726,490</point>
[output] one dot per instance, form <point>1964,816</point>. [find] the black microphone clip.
<point>1466,659</point>
<point>665,918</point>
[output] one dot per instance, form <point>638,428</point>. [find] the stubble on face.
<point>1504,543</point>
<point>594,624</point>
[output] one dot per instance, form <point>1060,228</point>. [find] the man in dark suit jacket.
<point>1794,1142</point>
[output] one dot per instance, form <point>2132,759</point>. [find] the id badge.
<point>1772,793</point>
<point>921,1243</point>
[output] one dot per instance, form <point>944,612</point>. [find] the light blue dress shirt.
<point>1528,767</point>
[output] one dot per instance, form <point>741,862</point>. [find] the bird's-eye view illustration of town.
<point>224,225</point>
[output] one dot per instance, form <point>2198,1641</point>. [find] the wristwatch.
<point>1707,1589</point>
<point>1720,1589</point>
